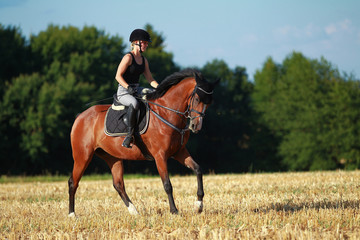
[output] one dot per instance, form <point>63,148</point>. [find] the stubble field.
<point>314,205</point>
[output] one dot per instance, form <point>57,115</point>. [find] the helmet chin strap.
<point>139,44</point>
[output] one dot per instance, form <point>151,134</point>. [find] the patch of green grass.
<point>60,178</point>
<point>24,179</point>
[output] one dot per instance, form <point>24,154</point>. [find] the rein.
<point>181,131</point>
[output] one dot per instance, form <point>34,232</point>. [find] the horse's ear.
<point>197,77</point>
<point>214,84</point>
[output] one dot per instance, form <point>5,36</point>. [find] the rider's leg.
<point>131,115</point>
<point>130,101</point>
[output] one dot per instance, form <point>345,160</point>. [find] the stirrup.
<point>127,141</point>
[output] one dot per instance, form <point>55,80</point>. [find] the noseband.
<point>186,114</point>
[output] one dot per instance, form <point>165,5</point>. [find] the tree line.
<point>301,114</point>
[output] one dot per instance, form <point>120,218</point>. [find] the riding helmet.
<point>139,34</point>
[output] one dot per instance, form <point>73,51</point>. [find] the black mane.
<point>172,80</point>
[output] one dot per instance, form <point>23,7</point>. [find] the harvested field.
<point>313,205</point>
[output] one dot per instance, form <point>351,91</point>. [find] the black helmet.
<point>139,34</point>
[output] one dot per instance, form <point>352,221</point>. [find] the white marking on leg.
<point>72,215</point>
<point>132,209</point>
<point>199,206</point>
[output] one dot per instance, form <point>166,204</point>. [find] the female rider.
<point>132,65</point>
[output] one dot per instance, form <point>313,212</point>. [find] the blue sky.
<point>242,33</point>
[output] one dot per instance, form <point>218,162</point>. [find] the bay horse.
<point>181,96</point>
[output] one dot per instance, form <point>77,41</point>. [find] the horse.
<point>177,105</point>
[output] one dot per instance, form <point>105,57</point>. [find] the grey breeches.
<point>125,98</point>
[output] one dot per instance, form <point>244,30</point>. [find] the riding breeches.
<point>127,99</point>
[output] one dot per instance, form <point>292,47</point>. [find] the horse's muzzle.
<point>196,124</point>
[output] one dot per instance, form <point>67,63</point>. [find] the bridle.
<point>186,114</point>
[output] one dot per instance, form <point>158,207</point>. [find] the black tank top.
<point>133,72</point>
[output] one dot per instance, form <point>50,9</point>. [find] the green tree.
<point>89,53</point>
<point>297,101</point>
<point>14,57</point>
<point>161,62</point>
<point>339,132</point>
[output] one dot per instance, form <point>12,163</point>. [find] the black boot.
<point>131,114</point>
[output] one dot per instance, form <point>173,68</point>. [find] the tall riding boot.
<point>131,114</point>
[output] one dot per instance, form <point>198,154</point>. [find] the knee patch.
<point>135,105</point>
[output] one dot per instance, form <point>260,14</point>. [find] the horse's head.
<point>199,101</point>
<point>199,97</point>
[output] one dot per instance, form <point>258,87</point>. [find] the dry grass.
<point>317,205</point>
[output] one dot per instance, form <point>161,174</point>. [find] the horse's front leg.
<point>161,165</point>
<point>184,158</point>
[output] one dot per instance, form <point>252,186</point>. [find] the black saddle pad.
<point>114,125</point>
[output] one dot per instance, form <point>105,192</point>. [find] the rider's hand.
<point>131,90</point>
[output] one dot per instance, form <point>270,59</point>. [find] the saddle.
<point>116,118</point>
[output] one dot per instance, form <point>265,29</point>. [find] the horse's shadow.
<point>324,204</point>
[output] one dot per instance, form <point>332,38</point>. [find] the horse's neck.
<point>177,96</point>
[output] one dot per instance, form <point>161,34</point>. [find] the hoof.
<point>199,206</point>
<point>175,212</point>
<point>132,210</point>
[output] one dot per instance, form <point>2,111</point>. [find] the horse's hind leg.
<point>117,170</point>
<point>184,158</point>
<point>81,161</point>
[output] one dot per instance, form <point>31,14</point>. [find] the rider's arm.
<point>149,76</point>
<point>124,64</point>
